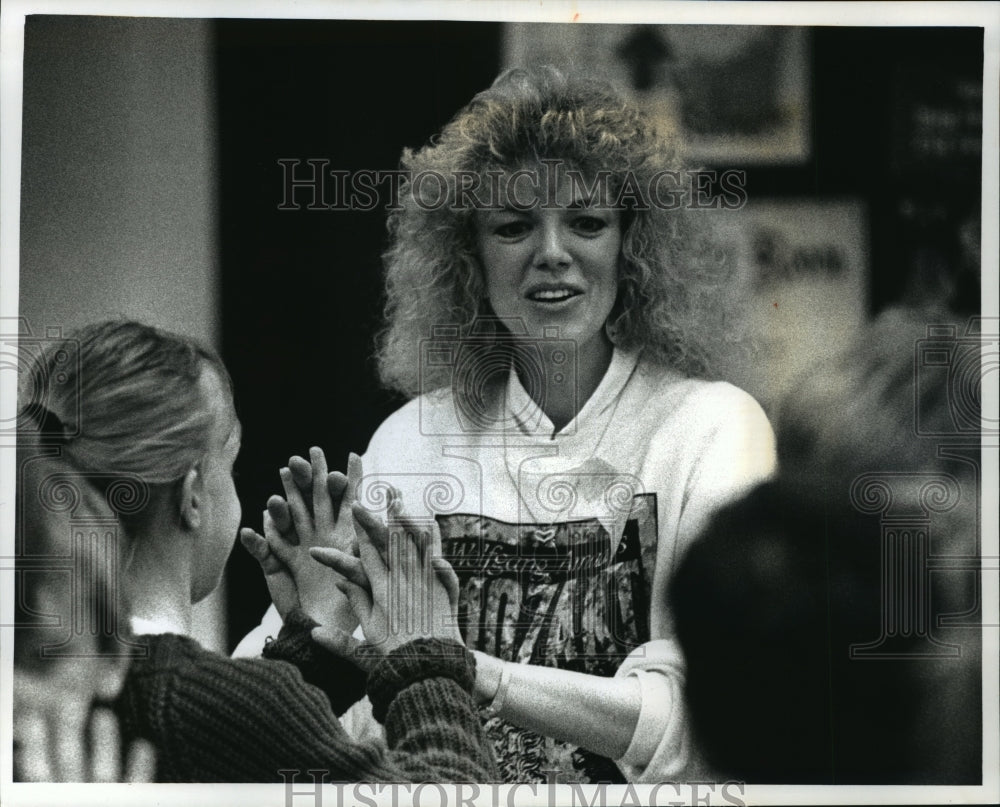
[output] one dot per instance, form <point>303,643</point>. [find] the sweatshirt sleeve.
<point>735,452</point>
<point>660,748</point>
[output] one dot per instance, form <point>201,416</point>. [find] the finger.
<point>70,742</point>
<point>111,678</point>
<point>301,517</point>
<point>302,475</point>
<point>257,546</point>
<point>32,755</point>
<point>410,535</point>
<point>372,538</point>
<point>336,485</point>
<point>394,504</point>
<point>445,574</point>
<point>432,547</point>
<point>354,474</point>
<point>342,563</point>
<point>141,765</point>
<point>278,545</point>
<point>370,530</point>
<point>399,522</point>
<point>411,579</point>
<point>282,517</point>
<point>352,483</point>
<point>322,506</point>
<point>280,583</point>
<point>105,747</point>
<point>411,540</point>
<point>360,600</point>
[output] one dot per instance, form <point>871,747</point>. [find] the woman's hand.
<point>313,514</point>
<point>400,586</point>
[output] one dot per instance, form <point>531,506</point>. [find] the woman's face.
<point>554,265</point>
<point>220,518</point>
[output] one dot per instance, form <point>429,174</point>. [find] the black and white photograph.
<point>494,403</point>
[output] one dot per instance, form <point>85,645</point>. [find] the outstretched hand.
<point>316,512</point>
<point>399,585</point>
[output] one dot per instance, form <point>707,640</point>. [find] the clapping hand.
<point>399,585</point>
<point>316,512</point>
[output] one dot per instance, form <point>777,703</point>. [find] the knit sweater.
<point>217,719</point>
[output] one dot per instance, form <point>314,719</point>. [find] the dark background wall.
<point>301,288</point>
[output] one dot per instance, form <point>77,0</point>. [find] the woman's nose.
<point>552,252</point>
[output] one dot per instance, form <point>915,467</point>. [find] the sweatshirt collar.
<point>529,417</point>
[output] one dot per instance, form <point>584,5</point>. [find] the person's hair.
<point>771,597</point>
<point>670,274</point>
<point>124,398</point>
<point>858,410</point>
<point>51,493</point>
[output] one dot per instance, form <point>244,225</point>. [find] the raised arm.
<point>405,595</point>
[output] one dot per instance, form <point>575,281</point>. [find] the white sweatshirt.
<point>565,542</point>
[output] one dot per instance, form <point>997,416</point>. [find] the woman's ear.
<point>192,502</point>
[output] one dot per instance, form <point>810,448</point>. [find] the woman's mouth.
<point>552,295</point>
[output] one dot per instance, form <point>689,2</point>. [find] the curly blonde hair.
<point>668,301</point>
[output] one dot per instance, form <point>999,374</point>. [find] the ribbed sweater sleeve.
<point>342,681</point>
<point>216,719</point>
<point>421,693</point>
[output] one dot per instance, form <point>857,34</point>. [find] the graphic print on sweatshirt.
<point>565,594</point>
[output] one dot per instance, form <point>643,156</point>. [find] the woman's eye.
<point>512,229</point>
<point>589,224</point>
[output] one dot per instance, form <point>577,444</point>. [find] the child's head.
<point>811,621</point>
<point>155,408</point>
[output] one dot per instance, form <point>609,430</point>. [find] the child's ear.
<point>191,499</point>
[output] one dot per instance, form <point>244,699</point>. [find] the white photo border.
<point>874,14</point>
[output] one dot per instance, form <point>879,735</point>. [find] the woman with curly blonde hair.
<point>549,313</point>
<point>669,276</point>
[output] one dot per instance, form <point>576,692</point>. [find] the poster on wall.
<point>734,93</point>
<point>802,268</point>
